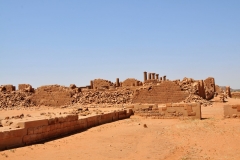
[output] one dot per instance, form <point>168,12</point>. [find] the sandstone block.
<point>32,123</point>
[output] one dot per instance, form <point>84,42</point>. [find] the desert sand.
<point>136,138</point>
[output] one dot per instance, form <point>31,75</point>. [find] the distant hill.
<point>235,90</point>
<point>232,90</point>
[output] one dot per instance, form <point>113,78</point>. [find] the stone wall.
<point>166,92</point>
<point>201,89</point>
<point>151,82</point>
<point>232,111</point>
<point>33,131</point>
<point>236,95</point>
<point>119,96</point>
<point>131,82</point>
<point>209,86</point>
<point>25,88</point>
<point>101,83</point>
<point>52,95</point>
<point>219,90</point>
<point>7,88</point>
<point>169,110</point>
<point>152,90</point>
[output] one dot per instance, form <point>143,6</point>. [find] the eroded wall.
<point>235,95</point>
<point>33,131</point>
<point>52,95</point>
<point>131,82</point>
<point>232,111</point>
<point>209,87</point>
<point>166,92</point>
<point>169,110</point>
<point>100,83</point>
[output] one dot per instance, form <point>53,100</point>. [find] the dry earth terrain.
<point>137,138</point>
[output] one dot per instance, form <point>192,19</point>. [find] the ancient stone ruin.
<point>155,97</point>
<point>152,90</point>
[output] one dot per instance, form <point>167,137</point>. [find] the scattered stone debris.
<point>15,99</point>
<point>154,89</point>
<point>104,97</point>
<point>195,98</point>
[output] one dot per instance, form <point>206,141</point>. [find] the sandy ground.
<point>211,138</point>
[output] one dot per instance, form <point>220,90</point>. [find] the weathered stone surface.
<point>25,88</point>
<point>172,110</point>
<point>101,83</point>
<point>53,95</point>
<point>131,82</point>
<point>209,85</point>
<point>166,92</point>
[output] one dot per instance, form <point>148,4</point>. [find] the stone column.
<point>117,82</point>
<point>136,83</point>
<point>160,78</point>
<point>91,85</point>
<point>201,89</point>
<point>213,80</point>
<point>157,76</point>
<point>145,76</point>
<point>149,76</point>
<point>228,91</point>
<point>164,78</point>
<point>153,75</point>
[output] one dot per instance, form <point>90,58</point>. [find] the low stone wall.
<point>232,111</point>
<point>169,110</point>
<point>235,95</point>
<point>33,131</point>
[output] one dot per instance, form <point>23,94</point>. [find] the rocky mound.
<point>15,99</point>
<point>195,98</point>
<point>123,96</point>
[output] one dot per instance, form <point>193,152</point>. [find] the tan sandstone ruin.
<point>155,97</point>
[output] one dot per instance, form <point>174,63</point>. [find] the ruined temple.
<point>154,89</point>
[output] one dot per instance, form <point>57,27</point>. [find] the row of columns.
<point>153,76</point>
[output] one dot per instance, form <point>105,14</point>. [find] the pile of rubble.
<point>188,84</point>
<point>15,99</point>
<point>195,93</point>
<point>123,96</point>
<point>195,98</point>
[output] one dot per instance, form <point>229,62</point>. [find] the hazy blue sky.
<point>73,41</point>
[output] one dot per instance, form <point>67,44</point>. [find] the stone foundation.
<point>169,110</point>
<point>235,95</point>
<point>32,131</point>
<point>232,111</point>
